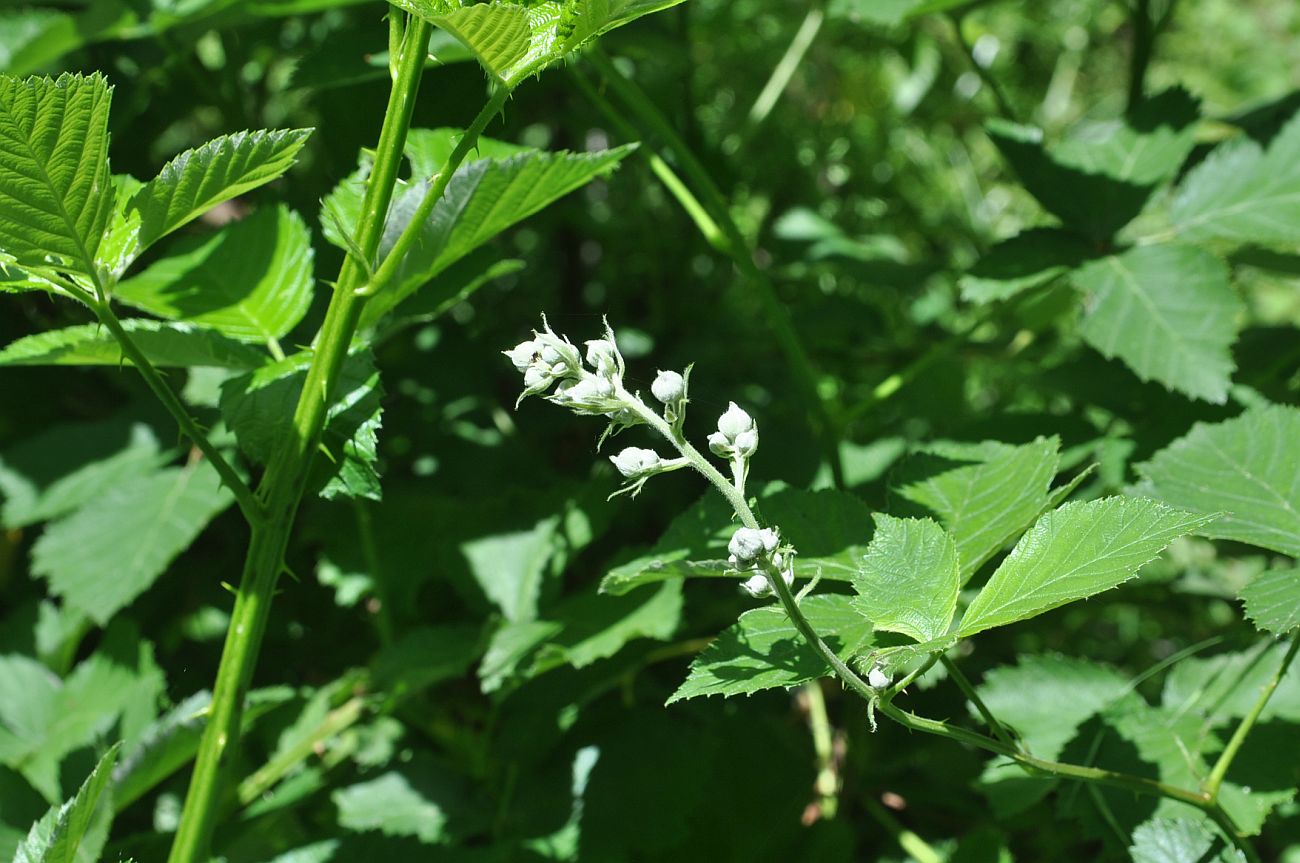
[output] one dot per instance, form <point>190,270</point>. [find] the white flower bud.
<point>635,462</point>
<point>734,422</point>
<point>719,445</point>
<point>877,679</point>
<point>602,355</point>
<point>669,387</point>
<point>523,354</point>
<point>747,443</point>
<point>756,585</point>
<point>747,544</point>
<point>534,376</point>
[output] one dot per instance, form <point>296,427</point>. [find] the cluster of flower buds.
<point>737,435</point>
<point>760,549</point>
<point>550,359</point>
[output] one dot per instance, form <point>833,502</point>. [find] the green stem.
<point>248,503</point>
<point>1214,781</point>
<point>1004,104</point>
<point>785,69</point>
<point>335,722</point>
<point>920,850</point>
<point>658,133</point>
<point>973,696</point>
<point>283,484</point>
<point>819,723</point>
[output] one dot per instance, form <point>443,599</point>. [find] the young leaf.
<point>165,345</point>
<point>1244,195</point>
<point>1273,600</point>
<point>57,837</point>
<point>484,198</point>
<point>514,40</point>
<point>1249,466</point>
<point>251,280</point>
<point>199,179</point>
<point>1074,552</point>
<point>908,579</point>
<point>763,650</point>
<point>1169,312</point>
<point>984,506</point>
<point>56,193</point>
<point>259,408</point>
<point>90,563</point>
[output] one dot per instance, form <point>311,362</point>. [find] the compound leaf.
<point>1074,552</point>
<point>56,193</point>
<point>763,650</point>
<point>1249,466</point>
<point>1168,311</point>
<point>909,577</point>
<point>251,280</point>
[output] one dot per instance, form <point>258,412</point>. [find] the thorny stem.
<point>248,503</point>
<point>882,700</point>
<point>659,133</point>
<point>1214,781</point>
<point>973,696</point>
<point>285,480</point>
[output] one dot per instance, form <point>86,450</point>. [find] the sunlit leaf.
<point>908,578</point>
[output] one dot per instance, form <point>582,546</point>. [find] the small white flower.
<point>747,544</point>
<point>734,422</point>
<point>669,387</point>
<point>523,354</point>
<point>635,462</point>
<point>877,679</point>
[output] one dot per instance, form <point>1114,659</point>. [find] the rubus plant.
<point>1017,328</point>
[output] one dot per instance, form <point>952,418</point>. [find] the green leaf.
<point>1147,147</point>
<point>510,567</point>
<point>1180,840</point>
<point>166,745</point>
<point>54,472</point>
<point>251,280</point>
<point>1273,600</point>
<point>596,627</point>
<point>1241,194</point>
<point>259,408</point>
<point>984,506</point>
<point>1223,688</point>
<point>56,193</point>
<point>909,577</point>
<point>514,40</point>
<point>167,345</point>
<point>425,657</point>
<point>1075,552</point>
<point>57,837</point>
<point>1249,466</point>
<point>1020,263</point>
<point>1169,312</point>
<point>414,801</point>
<point>484,198</point>
<point>764,651</point>
<point>111,550</point>
<point>199,179</point>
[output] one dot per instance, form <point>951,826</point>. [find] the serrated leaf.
<point>1023,262</point>
<point>1224,688</point>
<point>252,280</point>
<point>1147,146</point>
<point>166,345</point>
<point>1168,311</point>
<point>54,472</point>
<point>484,197</point>
<point>1273,600</point>
<point>259,408</point>
<point>908,578</point>
<point>763,650</point>
<point>111,550</point>
<point>199,179</point>
<point>1243,195</point>
<point>57,837</point>
<point>416,800</point>
<point>596,627</point>
<point>1074,552</point>
<point>1180,840</point>
<point>514,40</point>
<point>1249,466</point>
<point>984,506</point>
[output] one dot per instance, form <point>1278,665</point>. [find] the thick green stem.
<point>657,132</point>
<point>973,696</point>
<point>1214,781</point>
<point>248,504</point>
<point>286,476</point>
